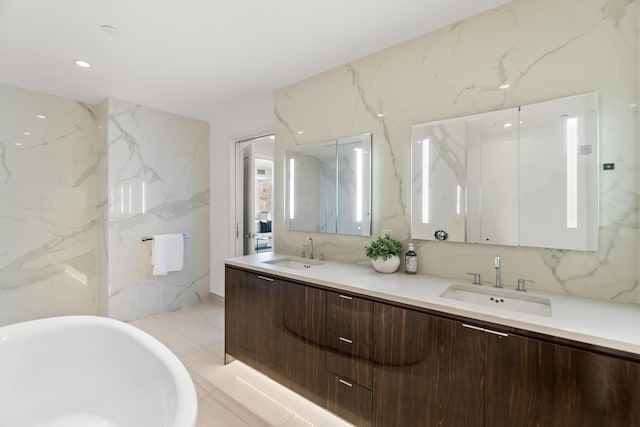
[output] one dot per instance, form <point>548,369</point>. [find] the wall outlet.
<point>386,233</point>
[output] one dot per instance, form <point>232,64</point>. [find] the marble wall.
<point>47,213</point>
<point>156,169</point>
<point>544,49</point>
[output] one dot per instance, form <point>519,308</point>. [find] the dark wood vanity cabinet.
<point>254,321</point>
<point>349,353</point>
<point>532,383</point>
<point>380,364</point>
<point>304,339</point>
<point>279,328</point>
<point>430,370</point>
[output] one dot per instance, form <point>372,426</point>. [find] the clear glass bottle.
<point>411,260</point>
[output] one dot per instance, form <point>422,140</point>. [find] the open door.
<point>248,190</point>
<point>254,196</point>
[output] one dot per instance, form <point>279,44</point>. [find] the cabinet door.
<point>349,359</point>
<point>304,325</point>
<point>253,321</point>
<point>349,317</point>
<point>536,383</point>
<point>428,371</point>
<point>349,400</point>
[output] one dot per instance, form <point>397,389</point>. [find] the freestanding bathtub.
<point>89,371</point>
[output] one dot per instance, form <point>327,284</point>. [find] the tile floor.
<point>231,395</point>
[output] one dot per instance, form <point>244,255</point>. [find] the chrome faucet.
<point>308,241</point>
<point>498,272</point>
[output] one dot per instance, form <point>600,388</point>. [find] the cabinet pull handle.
<point>345,382</point>
<point>489,331</point>
<point>268,279</point>
<point>500,334</point>
<point>346,297</point>
<point>477,328</point>
<point>346,340</point>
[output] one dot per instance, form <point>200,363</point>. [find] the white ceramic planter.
<point>389,266</point>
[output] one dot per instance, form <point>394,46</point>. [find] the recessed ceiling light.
<point>508,125</point>
<point>504,85</point>
<point>109,29</point>
<point>300,132</point>
<point>272,137</point>
<point>40,116</point>
<point>380,114</point>
<point>82,64</point>
<point>18,143</point>
<point>27,133</point>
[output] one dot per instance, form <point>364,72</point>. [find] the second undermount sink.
<point>501,299</point>
<point>294,263</point>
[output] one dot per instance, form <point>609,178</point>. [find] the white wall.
<point>157,182</point>
<point>235,123</point>
<point>546,49</point>
<point>47,208</point>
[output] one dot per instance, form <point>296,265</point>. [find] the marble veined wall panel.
<point>47,208</point>
<point>158,182</point>
<point>544,49</point>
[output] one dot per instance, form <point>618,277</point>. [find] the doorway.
<point>254,195</point>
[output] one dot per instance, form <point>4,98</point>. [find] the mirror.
<point>328,186</point>
<point>525,176</point>
<point>492,176</point>
<point>440,185</point>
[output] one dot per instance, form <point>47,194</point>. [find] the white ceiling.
<point>194,57</point>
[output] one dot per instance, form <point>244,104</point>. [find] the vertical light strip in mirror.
<point>130,200</point>
<point>425,181</point>
<point>122,200</point>
<point>572,172</point>
<point>458,200</point>
<point>144,198</point>
<point>292,174</point>
<point>358,184</point>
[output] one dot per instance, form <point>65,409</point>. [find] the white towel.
<point>167,253</point>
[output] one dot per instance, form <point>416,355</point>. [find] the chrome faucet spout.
<point>308,242</point>
<point>498,271</point>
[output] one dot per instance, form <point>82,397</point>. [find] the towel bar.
<point>146,238</point>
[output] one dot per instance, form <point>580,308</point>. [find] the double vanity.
<point>395,350</point>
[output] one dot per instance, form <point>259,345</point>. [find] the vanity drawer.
<point>350,317</point>
<point>349,401</point>
<point>350,359</point>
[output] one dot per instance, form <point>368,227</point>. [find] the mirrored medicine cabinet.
<point>525,176</point>
<point>328,186</point>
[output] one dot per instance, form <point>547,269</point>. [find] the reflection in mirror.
<point>530,176</point>
<point>311,182</point>
<point>492,176</point>
<point>438,178</point>
<point>328,186</point>
<point>354,163</point>
<point>558,173</point>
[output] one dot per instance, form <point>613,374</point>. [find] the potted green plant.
<point>385,254</point>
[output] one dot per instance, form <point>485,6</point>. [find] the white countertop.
<point>598,322</point>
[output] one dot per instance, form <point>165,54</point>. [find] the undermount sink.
<point>294,263</point>
<point>501,299</point>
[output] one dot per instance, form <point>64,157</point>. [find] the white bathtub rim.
<point>186,407</point>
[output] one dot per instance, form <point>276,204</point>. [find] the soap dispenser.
<point>411,260</point>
